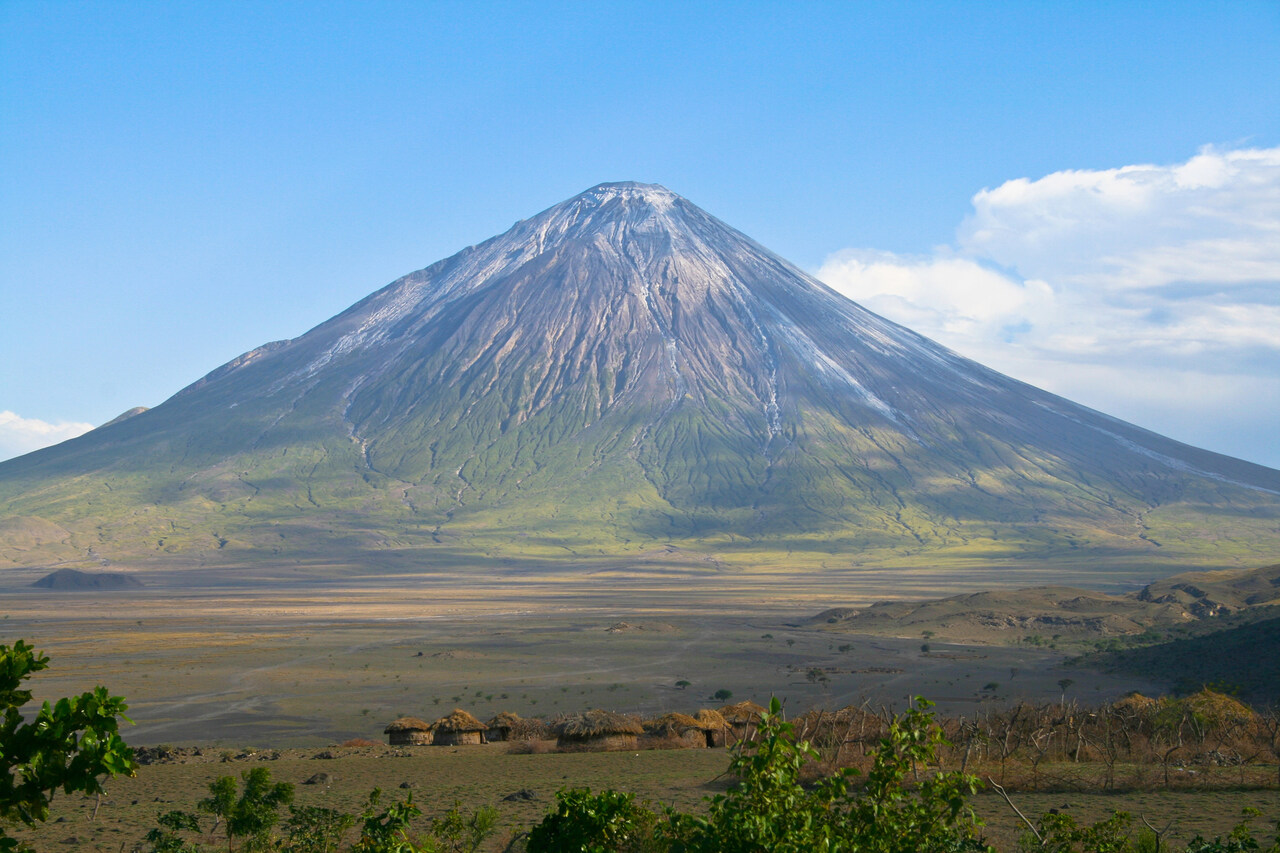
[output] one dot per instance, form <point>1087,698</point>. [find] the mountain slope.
<point>620,376</point>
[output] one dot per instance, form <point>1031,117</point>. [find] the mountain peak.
<point>651,207</point>
<point>654,194</point>
<point>616,376</point>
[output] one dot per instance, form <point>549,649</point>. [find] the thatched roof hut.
<point>670,724</point>
<point>531,728</point>
<point>598,729</point>
<point>457,729</point>
<point>1216,710</point>
<point>500,728</point>
<point>675,729</point>
<point>743,719</point>
<point>408,731</point>
<point>714,726</point>
<point>745,711</point>
<point>709,719</point>
<point>1136,704</point>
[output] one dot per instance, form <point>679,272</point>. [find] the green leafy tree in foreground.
<point>312,829</point>
<point>250,814</point>
<point>770,810</point>
<point>387,831</point>
<point>72,744</point>
<point>168,836</point>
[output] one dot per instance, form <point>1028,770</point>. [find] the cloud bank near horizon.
<point>1149,292</point>
<point>19,435</point>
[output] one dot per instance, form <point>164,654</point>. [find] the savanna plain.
<point>303,678</point>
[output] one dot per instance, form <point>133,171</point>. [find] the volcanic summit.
<point>624,379</point>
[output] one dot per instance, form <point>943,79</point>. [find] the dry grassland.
<point>284,667</point>
<point>476,776</point>
<point>280,674</point>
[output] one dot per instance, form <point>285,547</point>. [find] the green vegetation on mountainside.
<point>615,491</point>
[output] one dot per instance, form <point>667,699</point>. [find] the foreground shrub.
<point>1059,833</point>
<point>315,830</point>
<point>608,822</point>
<point>249,816</point>
<point>770,811</point>
<point>1240,839</point>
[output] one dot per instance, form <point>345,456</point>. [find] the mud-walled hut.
<point>457,729</point>
<point>503,726</point>
<point>598,730</point>
<point>408,731</point>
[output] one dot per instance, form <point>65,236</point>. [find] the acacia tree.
<point>72,744</point>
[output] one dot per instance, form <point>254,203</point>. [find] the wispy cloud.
<point>19,435</point>
<point>944,296</point>
<point>1152,292</point>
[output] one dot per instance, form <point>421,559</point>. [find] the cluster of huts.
<point>602,730</point>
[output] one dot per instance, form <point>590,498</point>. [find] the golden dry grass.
<point>474,776</point>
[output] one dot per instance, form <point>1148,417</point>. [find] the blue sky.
<point>1084,195</point>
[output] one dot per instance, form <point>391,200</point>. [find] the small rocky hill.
<point>76,580</point>
<point>1212,593</point>
<point>1195,601</point>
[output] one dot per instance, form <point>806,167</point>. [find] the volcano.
<point>624,380</point>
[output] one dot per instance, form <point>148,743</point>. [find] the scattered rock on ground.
<point>524,794</point>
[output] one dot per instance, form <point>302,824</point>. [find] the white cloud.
<point>1162,274</point>
<point>19,435</point>
<point>1214,218</point>
<point>951,293</point>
